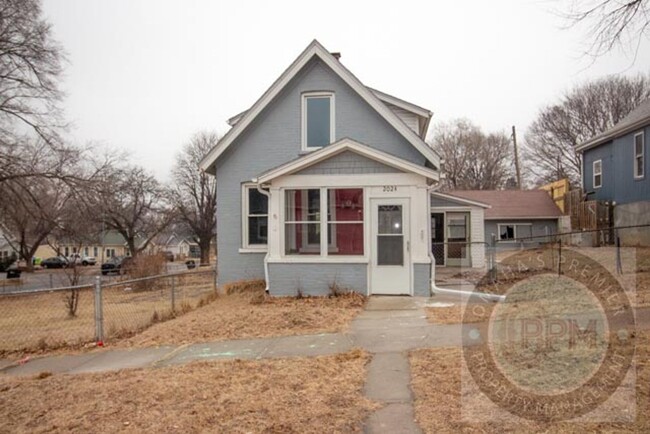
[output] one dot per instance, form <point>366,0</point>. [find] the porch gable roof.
<point>343,145</point>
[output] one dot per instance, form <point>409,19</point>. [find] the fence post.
<point>99,311</point>
<point>214,279</point>
<point>559,258</point>
<point>173,294</point>
<point>619,264</point>
<point>493,258</point>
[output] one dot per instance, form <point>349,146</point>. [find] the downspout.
<point>437,290</point>
<point>266,257</point>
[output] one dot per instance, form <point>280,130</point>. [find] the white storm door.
<point>390,268</point>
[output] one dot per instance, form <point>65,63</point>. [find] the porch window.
<point>598,173</point>
<point>345,221</point>
<point>302,222</point>
<point>639,156</point>
<point>514,231</point>
<point>317,120</point>
<point>340,225</point>
<point>255,212</point>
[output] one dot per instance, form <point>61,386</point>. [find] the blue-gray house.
<point>615,169</point>
<point>325,181</point>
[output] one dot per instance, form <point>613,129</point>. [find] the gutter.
<point>266,257</point>
<point>457,292</point>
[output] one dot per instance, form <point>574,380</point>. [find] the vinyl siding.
<point>421,280</point>
<point>348,163</point>
<point>274,138</point>
<point>540,228</point>
<point>315,279</point>
<point>410,119</point>
<point>619,183</point>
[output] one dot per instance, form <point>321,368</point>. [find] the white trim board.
<point>461,200</point>
<point>316,49</point>
<point>342,146</point>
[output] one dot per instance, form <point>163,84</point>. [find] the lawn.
<point>40,322</point>
<point>250,314</point>
<point>298,395</point>
<point>437,387</point>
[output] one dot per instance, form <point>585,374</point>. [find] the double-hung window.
<point>639,156</point>
<point>255,223</point>
<point>317,120</point>
<point>598,173</point>
<point>336,231</point>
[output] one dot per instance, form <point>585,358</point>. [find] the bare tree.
<point>611,22</point>
<point>581,114</point>
<point>30,211</point>
<point>30,116</point>
<point>195,192</point>
<point>473,160</point>
<point>133,203</point>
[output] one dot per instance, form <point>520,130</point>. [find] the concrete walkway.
<point>387,325</point>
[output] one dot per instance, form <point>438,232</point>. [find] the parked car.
<point>55,262</point>
<point>84,260</point>
<point>117,264</point>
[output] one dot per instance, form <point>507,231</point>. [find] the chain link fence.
<point>70,317</point>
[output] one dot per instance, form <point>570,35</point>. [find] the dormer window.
<point>317,120</point>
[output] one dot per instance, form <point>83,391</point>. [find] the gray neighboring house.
<point>509,215</point>
<point>614,169</point>
<point>326,181</point>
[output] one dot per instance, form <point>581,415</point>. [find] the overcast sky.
<point>145,75</point>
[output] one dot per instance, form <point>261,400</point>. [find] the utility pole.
<point>517,168</point>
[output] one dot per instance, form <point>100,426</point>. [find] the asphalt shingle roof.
<point>513,204</point>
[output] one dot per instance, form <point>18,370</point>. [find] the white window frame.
<point>600,173</point>
<point>325,249</point>
<point>246,247</point>
<point>642,156</point>
<point>514,226</point>
<point>305,97</point>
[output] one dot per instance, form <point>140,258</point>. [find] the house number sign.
<point>390,188</point>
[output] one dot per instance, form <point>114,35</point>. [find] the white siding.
<point>478,236</point>
<point>410,119</point>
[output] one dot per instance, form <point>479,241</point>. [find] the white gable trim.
<point>342,146</point>
<point>459,200</point>
<point>316,49</point>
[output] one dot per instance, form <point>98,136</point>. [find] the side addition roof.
<point>316,49</point>
<point>638,118</point>
<point>513,204</point>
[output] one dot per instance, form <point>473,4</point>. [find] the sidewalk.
<point>387,324</point>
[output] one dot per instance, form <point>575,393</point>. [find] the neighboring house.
<point>6,249</point>
<point>614,169</point>
<point>514,217</point>
<point>323,182</point>
<point>113,244</point>
<point>179,245</point>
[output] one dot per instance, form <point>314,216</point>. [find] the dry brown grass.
<point>248,313</point>
<point>436,384</point>
<point>307,395</point>
<point>32,323</point>
<point>449,315</point>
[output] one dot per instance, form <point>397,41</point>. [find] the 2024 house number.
<point>390,188</point>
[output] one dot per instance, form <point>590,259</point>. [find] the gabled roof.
<point>342,146</point>
<point>316,49</point>
<point>422,113</point>
<point>637,118</point>
<point>513,204</point>
<point>459,200</point>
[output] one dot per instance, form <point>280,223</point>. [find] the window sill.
<point>251,250</point>
<point>320,260</point>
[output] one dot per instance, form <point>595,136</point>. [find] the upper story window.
<point>598,174</point>
<point>255,218</point>
<point>317,120</point>
<point>639,156</point>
